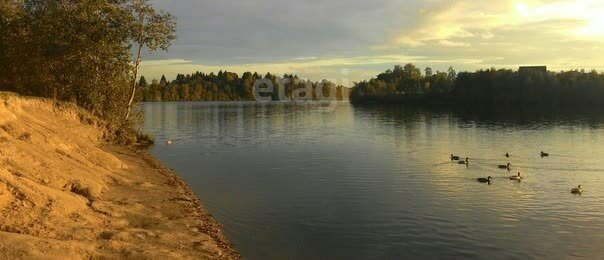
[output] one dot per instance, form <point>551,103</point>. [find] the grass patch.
<point>144,139</point>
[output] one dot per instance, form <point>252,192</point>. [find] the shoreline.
<point>208,225</point>
<point>66,193</point>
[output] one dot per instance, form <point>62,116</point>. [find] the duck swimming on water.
<point>505,166</point>
<point>466,162</point>
<point>484,180</point>
<point>577,190</point>
<point>516,177</point>
<point>507,155</point>
<point>544,154</point>
<point>454,158</point>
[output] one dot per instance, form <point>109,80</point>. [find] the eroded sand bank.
<point>66,194</point>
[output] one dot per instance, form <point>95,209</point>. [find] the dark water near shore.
<point>307,181</point>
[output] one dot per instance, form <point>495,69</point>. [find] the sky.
<point>352,40</point>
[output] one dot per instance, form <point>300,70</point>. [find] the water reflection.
<point>519,118</point>
<point>336,181</point>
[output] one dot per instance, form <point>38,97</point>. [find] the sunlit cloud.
<point>365,38</point>
<point>350,68</point>
<point>449,43</point>
<point>465,21</point>
<point>305,58</point>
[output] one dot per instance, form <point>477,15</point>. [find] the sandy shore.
<point>66,194</point>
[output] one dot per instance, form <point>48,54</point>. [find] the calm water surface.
<point>317,181</point>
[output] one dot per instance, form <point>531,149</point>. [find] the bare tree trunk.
<point>136,65</point>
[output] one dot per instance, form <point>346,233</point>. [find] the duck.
<point>577,190</point>
<point>454,158</point>
<point>505,166</point>
<point>466,162</point>
<point>544,154</point>
<point>507,155</point>
<point>516,177</point>
<point>483,180</point>
<point>168,141</point>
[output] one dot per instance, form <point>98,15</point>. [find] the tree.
<point>411,78</point>
<point>184,91</point>
<point>451,74</point>
<point>163,80</point>
<point>76,48</point>
<point>151,29</point>
<point>9,30</point>
<point>142,82</point>
<point>428,72</point>
<point>80,51</point>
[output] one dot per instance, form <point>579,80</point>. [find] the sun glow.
<point>522,9</point>
<point>586,13</point>
<point>593,28</point>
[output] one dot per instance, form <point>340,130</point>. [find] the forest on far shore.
<point>490,87</point>
<point>228,86</point>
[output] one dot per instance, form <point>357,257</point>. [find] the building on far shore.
<point>532,70</point>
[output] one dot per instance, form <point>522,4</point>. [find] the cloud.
<point>487,35</point>
<point>305,58</point>
<point>321,39</point>
<point>461,23</point>
<point>453,44</point>
<point>215,32</point>
<point>333,68</point>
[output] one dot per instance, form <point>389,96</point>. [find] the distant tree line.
<point>506,87</point>
<point>404,82</point>
<point>229,86</point>
<point>491,87</point>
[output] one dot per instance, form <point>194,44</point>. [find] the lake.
<point>325,181</point>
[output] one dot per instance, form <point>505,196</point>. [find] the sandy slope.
<point>64,194</point>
